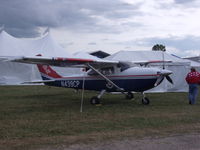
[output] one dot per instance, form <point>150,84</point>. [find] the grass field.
<point>37,116</point>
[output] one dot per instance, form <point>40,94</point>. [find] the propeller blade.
<point>169,79</point>
<point>159,80</point>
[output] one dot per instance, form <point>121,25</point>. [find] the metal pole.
<point>82,95</point>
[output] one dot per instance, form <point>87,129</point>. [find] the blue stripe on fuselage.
<point>137,85</point>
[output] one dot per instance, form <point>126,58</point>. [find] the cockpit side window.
<point>104,71</point>
<point>107,71</point>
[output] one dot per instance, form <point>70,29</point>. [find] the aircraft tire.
<point>95,100</point>
<point>129,95</point>
<point>145,101</point>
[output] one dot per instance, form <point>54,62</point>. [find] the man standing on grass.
<point>193,79</point>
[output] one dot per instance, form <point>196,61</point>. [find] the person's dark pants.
<point>193,92</point>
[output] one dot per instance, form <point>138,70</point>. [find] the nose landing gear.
<point>145,100</point>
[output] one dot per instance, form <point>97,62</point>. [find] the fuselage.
<point>136,79</point>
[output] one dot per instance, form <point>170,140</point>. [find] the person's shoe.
<point>190,102</point>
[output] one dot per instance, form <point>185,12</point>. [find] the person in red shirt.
<point>193,79</point>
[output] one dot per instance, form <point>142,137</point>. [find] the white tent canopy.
<point>11,46</point>
<point>180,67</point>
<point>16,73</point>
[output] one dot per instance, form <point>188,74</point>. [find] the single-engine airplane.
<point>101,75</point>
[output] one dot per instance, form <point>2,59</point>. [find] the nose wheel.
<point>145,100</point>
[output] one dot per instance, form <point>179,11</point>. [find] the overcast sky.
<point>108,25</point>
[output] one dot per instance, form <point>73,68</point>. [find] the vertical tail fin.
<point>47,72</point>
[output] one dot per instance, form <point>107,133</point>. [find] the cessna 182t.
<point>102,75</point>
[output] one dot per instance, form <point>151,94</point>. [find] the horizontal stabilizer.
<point>41,81</point>
<point>9,58</point>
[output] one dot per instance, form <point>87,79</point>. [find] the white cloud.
<point>126,24</point>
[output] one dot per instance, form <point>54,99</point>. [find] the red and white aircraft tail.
<point>47,72</point>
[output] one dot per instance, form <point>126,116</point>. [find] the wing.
<point>63,61</point>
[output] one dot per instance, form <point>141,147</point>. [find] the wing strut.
<point>108,80</point>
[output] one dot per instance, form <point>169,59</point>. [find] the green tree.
<point>159,47</point>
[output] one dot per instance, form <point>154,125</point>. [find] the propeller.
<point>163,74</point>
<point>169,79</point>
<point>159,80</point>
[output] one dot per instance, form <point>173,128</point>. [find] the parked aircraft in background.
<point>101,75</point>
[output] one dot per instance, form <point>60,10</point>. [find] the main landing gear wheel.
<point>129,95</point>
<point>145,101</point>
<point>95,100</point>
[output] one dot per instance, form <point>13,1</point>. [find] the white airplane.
<point>101,75</point>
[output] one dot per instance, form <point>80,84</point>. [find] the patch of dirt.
<point>176,142</point>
